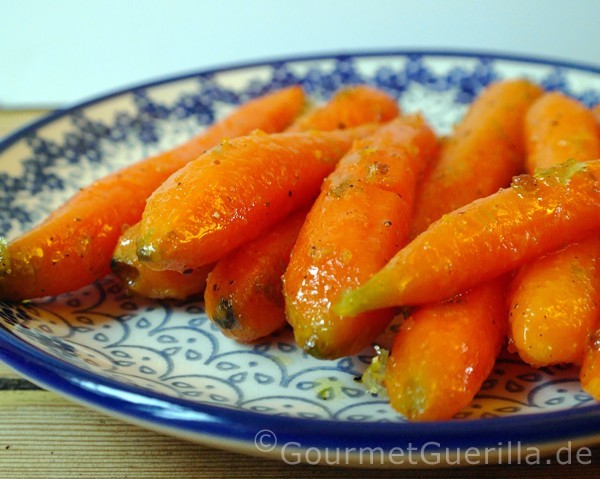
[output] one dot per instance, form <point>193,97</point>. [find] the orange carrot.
<point>235,192</point>
<point>244,295</point>
<point>141,280</point>
<point>490,138</point>
<point>559,128</point>
<point>486,238</point>
<point>589,374</point>
<point>359,221</point>
<point>443,353</point>
<point>590,369</point>
<point>74,245</point>
<point>596,112</point>
<point>349,107</point>
<point>554,305</point>
<point>554,301</point>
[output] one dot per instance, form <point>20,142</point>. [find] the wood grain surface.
<point>43,435</point>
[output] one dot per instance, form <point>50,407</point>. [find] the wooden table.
<point>43,435</point>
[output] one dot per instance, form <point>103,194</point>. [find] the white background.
<point>58,52</point>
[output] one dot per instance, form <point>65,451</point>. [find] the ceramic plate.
<point>163,365</point>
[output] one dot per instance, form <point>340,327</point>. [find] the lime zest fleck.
<point>325,394</point>
<point>373,377</point>
<point>328,388</point>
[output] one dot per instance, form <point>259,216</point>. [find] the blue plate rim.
<point>484,54</point>
<point>207,422</point>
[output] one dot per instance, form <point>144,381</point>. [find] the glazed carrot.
<point>488,237</point>
<point>589,374</point>
<point>596,112</point>
<point>554,305</point>
<point>489,137</point>
<point>349,107</point>
<point>141,280</point>
<point>233,193</point>
<point>74,245</point>
<point>359,221</point>
<point>443,353</point>
<point>559,128</point>
<point>244,295</point>
<point>555,301</point>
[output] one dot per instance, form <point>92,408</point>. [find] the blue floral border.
<point>86,138</point>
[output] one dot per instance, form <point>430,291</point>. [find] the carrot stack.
<point>360,219</point>
<point>74,245</point>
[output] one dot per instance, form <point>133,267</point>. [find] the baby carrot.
<point>589,374</point>
<point>555,300</point>
<point>596,112</point>
<point>73,246</point>
<point>141,280</point>
<point>488,237</point>
<point>559,128</point>
<point>233,193</point>
<point>244,295</point>
<point>489,138</point>
<point>359,221</point>
<point>349,107</point>
<point>554,305</point>
<point>443,353</point>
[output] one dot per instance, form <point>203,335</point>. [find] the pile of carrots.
<point>335,217</point>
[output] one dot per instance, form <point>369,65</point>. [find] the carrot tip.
<point>145,253</point>
<point>368,296</point>
<point>225,317</point>
<point>562,172</point>
<point>125,272</point>
<point>313,347</point>
<point>350,303</point>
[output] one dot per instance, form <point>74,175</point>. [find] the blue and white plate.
<point>163,365</point>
